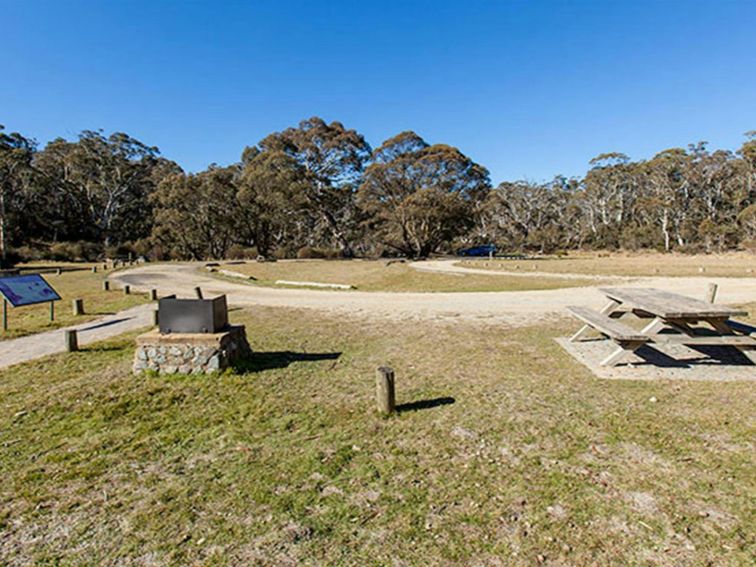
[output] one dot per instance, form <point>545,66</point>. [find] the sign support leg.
<point>5,314</point>
<point>52,311</point>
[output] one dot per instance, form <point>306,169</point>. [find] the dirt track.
<point>514,308</point>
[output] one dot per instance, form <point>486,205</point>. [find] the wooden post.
<point>52,311</point>
<point>72,340</point>
<point>106,285</point>
<point>5,314</point>
<point>126,289</point>
<point>198,292</point>
<point>78,306</point>
<point>94,269</point>
<point>384,390</point>
<point>59,271</point>
<point>156,318</point>
<point>711,292</point>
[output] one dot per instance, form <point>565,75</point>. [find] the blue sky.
<point>529,89</point>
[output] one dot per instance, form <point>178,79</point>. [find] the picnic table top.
<point>668,305</point>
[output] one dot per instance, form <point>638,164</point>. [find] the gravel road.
<point>509,307</point>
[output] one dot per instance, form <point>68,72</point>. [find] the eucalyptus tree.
<point>609,192</point>
<point>419,196</point>
<point>534,216</point>
<point>104,181</point>
<point>272,188</point>
<point>198,216</point>
<point>16,174</point>
<point>666,196</point>
<point>332,159</point>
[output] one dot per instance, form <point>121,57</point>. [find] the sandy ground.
<point>512,308</point>
<point>672,362</point>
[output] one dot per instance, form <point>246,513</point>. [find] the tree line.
<point>319,189</point>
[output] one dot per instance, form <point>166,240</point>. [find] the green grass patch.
<point>535,461</point>
<point>80,283</point>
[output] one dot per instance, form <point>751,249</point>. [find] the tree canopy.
<point>318,188</point>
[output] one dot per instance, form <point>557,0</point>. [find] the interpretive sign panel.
<point>27,290</point>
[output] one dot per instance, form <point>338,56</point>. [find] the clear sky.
<point>527,88</point>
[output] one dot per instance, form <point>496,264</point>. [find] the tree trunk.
<point>3,250</point>
<point>665,231</point>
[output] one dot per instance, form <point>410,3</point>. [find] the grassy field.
<point>505,452</point>
<point>70,285</point>
<point>735,264</point>
<point>369,275</point>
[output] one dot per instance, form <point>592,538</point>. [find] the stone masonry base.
<point>190,353</point>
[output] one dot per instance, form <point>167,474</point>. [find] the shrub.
<point>310,252</point>
<point>239,252</point>
<point>29,253</point>
<point>64,252</point>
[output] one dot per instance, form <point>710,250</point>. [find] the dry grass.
<point>534,462</point>
<point>70,285</point>
<point>734,264</point>
<point>369,275</point>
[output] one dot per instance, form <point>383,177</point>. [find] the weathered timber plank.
<point>606,325</point>
<point>669,305</point>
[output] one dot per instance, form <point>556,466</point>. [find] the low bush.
<point>239,252</point>
<point>310,252</point>
<point>73,252</point>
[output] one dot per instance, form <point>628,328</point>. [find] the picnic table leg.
<point>683,326</point>
<point>721,326</point>
<point>623,349</point>
<point>654,327</point>
<point>585,329</point>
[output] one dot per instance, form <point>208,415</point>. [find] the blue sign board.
<point>27,290</point>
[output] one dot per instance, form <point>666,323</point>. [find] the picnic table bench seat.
<point>607,325</point>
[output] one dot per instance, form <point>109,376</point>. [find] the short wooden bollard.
<point>106,285</point>
<point>72,341</point>
<point>198,292</point>
<point>78,306</point>
<point>711,292</point>
<point>58,272</point>
<point>126,289</point>
<point>153,295</point>
<point>94,269</point>
<point>384,390</point>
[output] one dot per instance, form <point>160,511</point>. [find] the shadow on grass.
<point>100,348</point>
<point>104,324</point>
<point>281,359</point>
<point>425,404</point>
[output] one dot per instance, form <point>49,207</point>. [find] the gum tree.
<point>419,196</point>
<point>332,159</point>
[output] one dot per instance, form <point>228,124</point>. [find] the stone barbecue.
<point>202,351</point>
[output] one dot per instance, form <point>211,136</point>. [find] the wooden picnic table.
<point>675,319</point>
